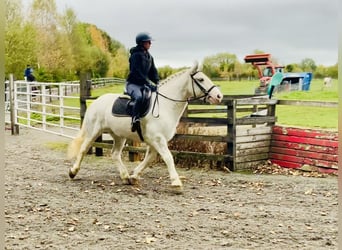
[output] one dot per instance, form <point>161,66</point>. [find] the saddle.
<point>123,105</point>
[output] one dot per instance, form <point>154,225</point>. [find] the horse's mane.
<point>169,78</point>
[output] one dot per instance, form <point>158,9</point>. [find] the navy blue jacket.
<point>141,67</point>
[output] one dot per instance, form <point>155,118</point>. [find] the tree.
<point>220,65</point>
<point>289,68</point>
<point>308,64</point>
<point>45,19</point>
<point>166,71</point>
<point>99,62</point>
<point>44,14</point>
<point>119,64</point>
<point>68,21</point>
<point>332,71</point>
<point>18,51</point>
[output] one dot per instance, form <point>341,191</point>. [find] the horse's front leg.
<point>150,155</point>
<point>162,148</point>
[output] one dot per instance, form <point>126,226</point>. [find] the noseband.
<point>198,84</point>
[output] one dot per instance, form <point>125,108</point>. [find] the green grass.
<point>312,117</point>
<point>115,88</point>
<point>237,87</point>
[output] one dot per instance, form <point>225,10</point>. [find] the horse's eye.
<point>200,79</point>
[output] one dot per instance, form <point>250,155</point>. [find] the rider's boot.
<point>135,123</point>
<point>136,115</point>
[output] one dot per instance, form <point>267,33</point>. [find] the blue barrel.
<point>306,81</point>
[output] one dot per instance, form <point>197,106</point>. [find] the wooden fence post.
<point>231,129</point>
<point>14,126</point>
<point>271,111</point>
<point>133,155</point>
<point>85,93</point>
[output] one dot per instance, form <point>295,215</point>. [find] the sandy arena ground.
<point>44,209</point>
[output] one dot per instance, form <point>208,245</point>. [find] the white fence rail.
<point>50,107</point>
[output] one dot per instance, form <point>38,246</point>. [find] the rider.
<point>142,72</point>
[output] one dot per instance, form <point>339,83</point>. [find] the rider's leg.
<point>136,94</point>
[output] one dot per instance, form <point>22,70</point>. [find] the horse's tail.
<point>75,144</point>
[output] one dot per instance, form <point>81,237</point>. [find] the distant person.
<point>29,74</point>
<point>30,78</point>
<point>142,73</point>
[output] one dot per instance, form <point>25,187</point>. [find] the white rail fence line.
<point>49,107</point>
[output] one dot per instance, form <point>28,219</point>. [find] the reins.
<point>194,80</point>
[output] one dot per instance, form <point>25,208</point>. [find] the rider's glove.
<point>153,87</point>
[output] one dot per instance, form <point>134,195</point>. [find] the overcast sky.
<point>188,30</point>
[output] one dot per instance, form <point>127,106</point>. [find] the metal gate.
<point>50,107</point>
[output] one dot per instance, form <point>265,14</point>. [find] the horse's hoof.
<point>71,174</point>
<point>133,181</point>
<point>176,189</point>
<point>126,181</point>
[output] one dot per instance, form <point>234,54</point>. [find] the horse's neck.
<point>177,88</point>
<point>177,92</point>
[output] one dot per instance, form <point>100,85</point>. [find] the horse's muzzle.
<point>215,96</point>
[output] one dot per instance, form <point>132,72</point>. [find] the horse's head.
<point>203,87</point>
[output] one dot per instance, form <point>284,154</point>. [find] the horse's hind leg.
<point>77,164</point>
<point>84,148</point>
<point>118,145</point>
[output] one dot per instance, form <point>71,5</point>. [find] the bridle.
<point>194,98</point>
<point>204,91</point>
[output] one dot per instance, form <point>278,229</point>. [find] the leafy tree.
<point>166,71</point>
<point>308,64</point>
<point>100,62</point>
<point>68,21</point>
<point>45,19</point>
<point>289,68</point>
<point>220,65</point>
<point>119,64</point>
<point>44,14</point>
<point>332,71</point>
<point>18,51</point>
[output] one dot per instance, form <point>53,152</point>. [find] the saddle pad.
<point>120,106</point>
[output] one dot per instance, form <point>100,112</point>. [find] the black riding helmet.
<point>142,37</point>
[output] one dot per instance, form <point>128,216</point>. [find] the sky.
<point>189,30</point>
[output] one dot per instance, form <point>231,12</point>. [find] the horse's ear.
<point>194,68</point>
<point>200,67</point>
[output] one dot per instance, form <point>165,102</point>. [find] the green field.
<point>312,117</point>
